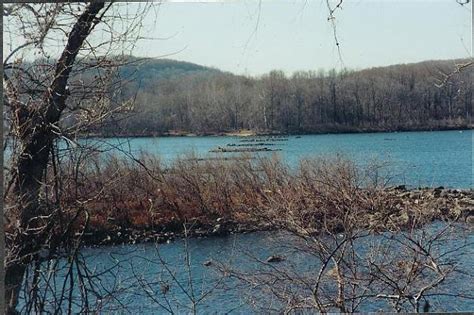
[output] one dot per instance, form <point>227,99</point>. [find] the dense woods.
<point>176,97</point>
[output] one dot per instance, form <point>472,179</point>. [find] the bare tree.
<point>50,100</point>
<point>39,94</point>
<point>345,250</point>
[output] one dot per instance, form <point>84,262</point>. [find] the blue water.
<point>138,272</point>
<point>435,158</point>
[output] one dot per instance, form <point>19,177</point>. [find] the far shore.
<point>253,133</point>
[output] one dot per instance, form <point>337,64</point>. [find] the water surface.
<point>140,272</point>
<point>435,158</point>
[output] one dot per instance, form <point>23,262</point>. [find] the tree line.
<point>394,98</point>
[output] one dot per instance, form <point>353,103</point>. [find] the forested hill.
<point>178,97</point>
<point>149,71</point>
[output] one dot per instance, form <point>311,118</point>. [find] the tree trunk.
<point>36,135</point>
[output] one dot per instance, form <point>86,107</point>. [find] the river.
<point>151,279</point>
<point>435,158</point>
<point>157,279</point>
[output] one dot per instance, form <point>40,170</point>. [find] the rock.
<point>200,232</point>
<point>165,287</point>
<point>468,216</point>
<point>275,258</point>
<point>470,219</point>
<point>217,228</point>
<point>405,195</point>
<point>444,194</point>
<point>415,195</point>
<point>401,187</point>
<point>207,263</point>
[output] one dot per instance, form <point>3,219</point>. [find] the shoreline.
<point>130,236</point>
<point>250,133</point>
<point>459,207</point>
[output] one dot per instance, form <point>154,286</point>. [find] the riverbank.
<point>119,200</point>
<point>259,133</point>
<point>448,205</point>
<point>150,202</point>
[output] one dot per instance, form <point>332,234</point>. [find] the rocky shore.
<point>445,203</point>
<point>122,235</point>
<point>440,204</point>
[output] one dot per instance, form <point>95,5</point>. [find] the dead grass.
<point>325,193</point>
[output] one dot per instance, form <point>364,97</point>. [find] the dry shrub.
<point>321,194</point>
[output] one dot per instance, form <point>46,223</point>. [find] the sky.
<point>252,37</point>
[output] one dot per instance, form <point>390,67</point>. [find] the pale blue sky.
<point>253,37</point>
<point>296,35</point>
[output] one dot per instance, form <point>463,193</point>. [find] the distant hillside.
<point>151,70</point>
<point>179,98</point>
<point>175,97</point>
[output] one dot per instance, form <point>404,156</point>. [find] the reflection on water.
<point>151,279</point>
